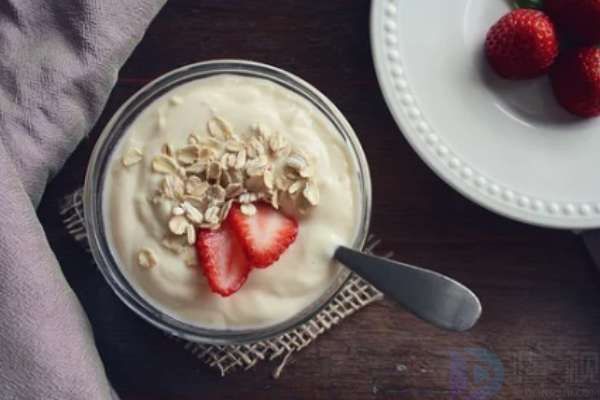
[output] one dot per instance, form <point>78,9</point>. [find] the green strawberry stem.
<point>537,4</point>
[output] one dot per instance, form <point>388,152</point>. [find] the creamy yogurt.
<point>302,274</point>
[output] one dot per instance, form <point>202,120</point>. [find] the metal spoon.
<point>429,295</point>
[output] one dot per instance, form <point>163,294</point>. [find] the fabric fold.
<point>59,61</point>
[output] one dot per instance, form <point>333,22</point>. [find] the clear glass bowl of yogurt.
<point>121,218</point>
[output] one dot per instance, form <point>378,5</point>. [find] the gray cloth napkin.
<point>58,62</point>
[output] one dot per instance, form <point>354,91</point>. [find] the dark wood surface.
<point>540,291</point>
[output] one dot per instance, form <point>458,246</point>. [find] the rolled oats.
<point>196,186</point>
<point>193,139</point>
<point>203,178</point>
<point>178,225</point>
<point>247,197</point>
<point>276,142</point>
<point>240,160</point>
<point>233,190</point>
<point>263,132</point>
<point>207,152</point>
<point>201,203</point>
<point>298,163</point>
<point>197,168</point>
<point>165,165</point>
<point>250,152</point>
<point>213,173</point>
<point>219,128</point>
<point>234,146</point>
<point>236,176</point>
<point>167,150</point>
<point>192,213</point>
<point>225,209</point>
<point>311,193</point>
<point>190,234</point>
<point>291,174</point>
<point>248,209</point>
<point>212,215</point>
<point>172,187</point>
<point>268,179</point>
<point>282,183</point>
<point>272,197</point>
<point>177,211</point>
<point>225,178</point>
<point>147,259</point>
<point>295,187</point>
<point>132,156</point>
<point>256,166</point>
<point>188,155</point>
<point>275,199</point>
<point>307,172</point>
<point>212,143</point>
<point>231,160</point>
<point>216,193</point>
<point>256,147</point>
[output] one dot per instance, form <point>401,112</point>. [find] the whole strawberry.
<point>576,81</point>
<point>578,19</point>
<point>522,44</point>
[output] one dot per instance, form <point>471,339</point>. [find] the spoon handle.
<point>429,295</point>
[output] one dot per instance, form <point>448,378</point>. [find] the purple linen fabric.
<point>58,62</point>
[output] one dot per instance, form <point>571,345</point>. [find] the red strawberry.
<point>576,81</point>
<point>223,259</point>
<point>522,44</point>
<point>579,19</point>
<point>264,235</point>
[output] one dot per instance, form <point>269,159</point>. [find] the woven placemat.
<point>355,295</point>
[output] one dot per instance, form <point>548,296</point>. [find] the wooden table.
<point>541,297</point>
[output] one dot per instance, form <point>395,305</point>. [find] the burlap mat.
<point>355,295</point>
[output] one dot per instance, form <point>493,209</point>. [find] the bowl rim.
<point>94,180</point>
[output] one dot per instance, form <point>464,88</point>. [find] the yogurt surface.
<point>176,285</point>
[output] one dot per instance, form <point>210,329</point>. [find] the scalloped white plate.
<point>506,145</point>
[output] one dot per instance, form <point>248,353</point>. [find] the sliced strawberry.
<point>264,235</point>
<point>223,259</point>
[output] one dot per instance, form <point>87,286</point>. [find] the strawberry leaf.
<point>536,4</point>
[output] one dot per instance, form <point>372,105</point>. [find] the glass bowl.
<point>97,168</point>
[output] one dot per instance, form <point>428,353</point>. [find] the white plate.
<point>506,145</point>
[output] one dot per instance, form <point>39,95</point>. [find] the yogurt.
<point>175,284</point>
